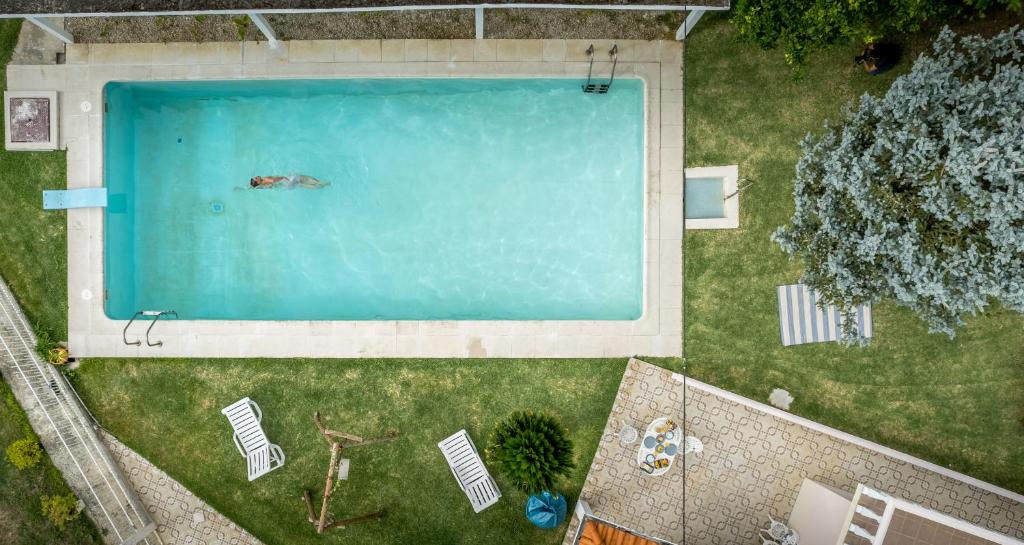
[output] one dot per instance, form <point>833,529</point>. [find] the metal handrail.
<point>589,87</point>
<point>124,332</point>
<point>155,318</point>
<point>155,314</point>
<point>604,87</point>
<point>614,54</point>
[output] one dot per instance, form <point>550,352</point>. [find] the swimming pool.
<point>453,199</point>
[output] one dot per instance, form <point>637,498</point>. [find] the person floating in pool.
<point>291,181</point>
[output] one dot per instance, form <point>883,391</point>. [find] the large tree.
<point>918,196</point>
<point>803,26</point>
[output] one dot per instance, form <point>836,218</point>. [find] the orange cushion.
<point>595,533</point>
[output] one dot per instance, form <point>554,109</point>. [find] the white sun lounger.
<point>803,320</point>
<point>469,471</point>
<point>261,456</point>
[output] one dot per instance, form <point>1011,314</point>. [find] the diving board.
<point>92,197</point>
<point>804,318</point>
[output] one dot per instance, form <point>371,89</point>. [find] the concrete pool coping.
<point>658,332</point>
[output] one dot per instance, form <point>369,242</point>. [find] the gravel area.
<point>212,28</point>
<point>581,23</point>
<point>113,6</point>
<point>375,25</point>
<point>498,23</point>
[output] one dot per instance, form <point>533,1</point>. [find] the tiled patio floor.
<point>753,462</point>
<point>181,517</point>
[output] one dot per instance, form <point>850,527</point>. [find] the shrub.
<point>531,450</point>
<point>60,509</point>
<point>803,26</point>
<point>24,453</point>
<point>241,26</point>
<point>917,195</point>
<point>44,344</point>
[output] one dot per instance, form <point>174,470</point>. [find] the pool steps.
<point>155,315</point>
<point>602,88</point>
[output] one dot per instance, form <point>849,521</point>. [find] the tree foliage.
<point>918,196</point>
<point>24,453</point>
<point>803,26</point>
<point>60,509</point>
<point>531,450</point>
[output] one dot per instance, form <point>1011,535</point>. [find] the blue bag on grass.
<point>546,510</point>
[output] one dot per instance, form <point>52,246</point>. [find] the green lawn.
<point>33,258</point>
<point>170,411</point>
<point>958,403</point>
<point>21,517</point>
<point>33,261</point>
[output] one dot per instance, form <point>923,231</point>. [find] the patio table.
<point>616,489</point>
<point>659,446</point>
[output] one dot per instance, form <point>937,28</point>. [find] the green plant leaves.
<point>531,450</point>
<point>916,196</point>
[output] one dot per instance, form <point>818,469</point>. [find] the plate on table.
<point>659,446</point>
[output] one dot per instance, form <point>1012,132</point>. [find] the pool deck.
<point>89,67</point>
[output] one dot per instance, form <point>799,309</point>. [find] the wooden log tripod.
<point>339,440</point>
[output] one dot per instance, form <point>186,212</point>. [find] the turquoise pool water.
<point>448,199</point>
<point>705,198</point>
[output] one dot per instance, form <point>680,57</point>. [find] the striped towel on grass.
<point>802,321</point>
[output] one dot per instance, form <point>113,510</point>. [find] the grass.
<point>34,256</point>
<point>169,410</point>
<point>21,516</point>
<point>33,262</point>
<point>958,403</point>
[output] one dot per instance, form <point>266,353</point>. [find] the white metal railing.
<point>105,487</point>
<point>882,520</point>
<point>695,11</point>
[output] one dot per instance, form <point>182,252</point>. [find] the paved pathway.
<point>36,46</point>
<point>181,517</point>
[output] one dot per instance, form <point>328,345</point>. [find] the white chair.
<point>469,471</point>
<point>261,456</point>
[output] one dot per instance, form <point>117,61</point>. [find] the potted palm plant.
<point>57,355</point>
<point>533,451</point>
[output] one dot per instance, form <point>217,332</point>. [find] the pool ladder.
<point>600,88</point>
<point>155,314</point>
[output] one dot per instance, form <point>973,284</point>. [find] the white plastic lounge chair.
<point>803,321</point>
<point>93,197</point>
<point>261,455</point>
<point>469,471</point>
